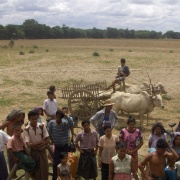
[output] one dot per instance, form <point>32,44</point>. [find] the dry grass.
<point>24,79</point>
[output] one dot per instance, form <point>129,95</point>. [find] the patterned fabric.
<point>122,176</point>
<point>64,171</point>
<point>59,133</point>
<point>108,146</point>
<point>122,166</point>
<point>87,166</point>
<point>130,138</point>
<point>87,140</point>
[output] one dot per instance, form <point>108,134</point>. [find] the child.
<point>170,170</point>
<point>40,112</point>
<point>3,140</point>
<point>122,165</point>
<point>157,132</point>
<point>63,169</point>
<point>52,88</point>
<point>18,152</point>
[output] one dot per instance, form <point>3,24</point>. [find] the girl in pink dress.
<point>133,139</point>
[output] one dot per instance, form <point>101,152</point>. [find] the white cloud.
<point>161,15</point>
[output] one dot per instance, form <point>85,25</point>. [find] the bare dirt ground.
<point>24,79</point>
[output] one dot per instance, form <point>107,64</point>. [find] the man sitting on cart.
<point>123,72</point>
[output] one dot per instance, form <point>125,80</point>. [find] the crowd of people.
<point>115,154</point>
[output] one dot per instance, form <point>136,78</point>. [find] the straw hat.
<point>108,102</point>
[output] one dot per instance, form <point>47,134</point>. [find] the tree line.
<point>31,29</point>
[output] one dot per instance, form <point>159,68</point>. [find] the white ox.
<point>142,103</point>
<point>136,89</point>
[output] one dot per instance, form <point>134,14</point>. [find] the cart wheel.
<point>82,104</point>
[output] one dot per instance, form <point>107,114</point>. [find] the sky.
<point>157,15</point>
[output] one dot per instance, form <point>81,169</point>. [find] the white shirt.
<point>3,140</point>
<point>50,106</point>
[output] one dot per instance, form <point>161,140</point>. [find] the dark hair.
<point>123,60</point>
<point>161,143</point>
<point>32,113</point>
<point>120,145</point>
<point>49,92</point>
<point>158,124</point>
<point>59,112</point>
<point>65,107</point>
<point>131,119</point>
<point>106,127</point>
<point>52,88</point>
<point>62,155</point>
<point>84,122</point>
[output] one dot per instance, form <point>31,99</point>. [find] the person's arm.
<point>97,142</point>
<point>93,120</point>
<point>150,140</point>
<point>111,170</point>
<point>72,133</point>
<point>138,147</point>
<point>58,173</point>
<point>99,156</point>
<point>76,142</point>
<point>4,125</point>
<point>142,164</point>
<point>172,155</point>
<point>133,170</point>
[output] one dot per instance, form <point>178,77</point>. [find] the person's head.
<point>33,117</point>
<point>121,149</point>
<point>65,110</point>
<point>108,105</point>
<point>17,130</point>
<point>107,130</point>
<point>131,123</point>
<point>123,61</point>
<point>171,162</point>
<point>59,116</point>
<point>161,146</point>
<point>86,125</point>
<point>39,110</point>
<point>52,88</point>
<point>50,95</point>
<point>63,157</point>
<point>176,140</point>
<point>158,129</point>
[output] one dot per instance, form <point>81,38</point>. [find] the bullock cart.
<point>84,100</point>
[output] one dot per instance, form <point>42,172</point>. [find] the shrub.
<point>31,51</point>
<point>47,50</point>
<point>21,53</point>
<point>95,54</point>
<point>11,43</point>
<point>129,50</point>
<point>4,47</point>
<point>171,51</point>
<point>111,49</point>
<point>34,46</point>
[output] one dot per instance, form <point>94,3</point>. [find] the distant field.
<point>24,79</point>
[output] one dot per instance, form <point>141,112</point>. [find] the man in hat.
<point>106,114</point>
<point>123,72</point>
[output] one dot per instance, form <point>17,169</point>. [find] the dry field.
<point>24,79</point>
